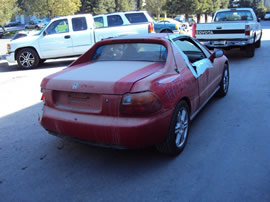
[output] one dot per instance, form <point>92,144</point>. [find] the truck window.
<point>79,24</point>
<point>59,26</point>
<point>235,15</point>
<point>99,21</point>
<point>136,17</point>
<point>114,20</point>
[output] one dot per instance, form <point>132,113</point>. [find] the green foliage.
<point>104,6</point>
<point>7,9</point>
<point>51,8</point>
<point>88,6</point>
<point>155,7</point>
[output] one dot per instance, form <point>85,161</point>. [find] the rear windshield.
<point>131,52</point>
<point>136,17</point>
<point>233,16</point>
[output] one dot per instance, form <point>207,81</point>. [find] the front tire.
<point>177,135</point>
<point>27,58</point>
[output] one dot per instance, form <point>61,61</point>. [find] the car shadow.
<point>5,67</point>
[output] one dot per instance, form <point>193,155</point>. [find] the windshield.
<point>131,52</point>
<point>233,16</point>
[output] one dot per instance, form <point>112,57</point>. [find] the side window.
<point>114,20</point>
<point>190,49</point>
<point>79,24</point>
<point>136,17</point>
<point>99,21</point>
<point>59,26</point>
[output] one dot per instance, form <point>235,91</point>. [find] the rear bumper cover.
<point>121,132</point>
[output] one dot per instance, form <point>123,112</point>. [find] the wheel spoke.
<point>183,115</point>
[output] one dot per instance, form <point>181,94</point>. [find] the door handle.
<point>67,37</point>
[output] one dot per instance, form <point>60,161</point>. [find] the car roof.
<point>235,9</point>
<point>156,36</point>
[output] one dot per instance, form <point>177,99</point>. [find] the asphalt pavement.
<point>226,157</point>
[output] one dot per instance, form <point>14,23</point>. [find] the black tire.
<point>224,83</point>
<point>177,135</point>
<point>27,58</point>
<point>258,43</point>
<point>250,50</point>
<point>166,31</point>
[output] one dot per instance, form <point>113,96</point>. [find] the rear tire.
<point>258,43</point>
<point>224,83</point>
<point>177,135</point>
<point>250,50</point>
<point>27,58</point>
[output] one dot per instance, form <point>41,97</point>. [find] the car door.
<point>56,40</point>
<point>82,34</point>
<point>200,65</point>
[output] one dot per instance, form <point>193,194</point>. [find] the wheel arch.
<point>31,47</point>
<point>166,30</point>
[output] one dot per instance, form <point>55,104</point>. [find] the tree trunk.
<point>205,18</point>
<point>198,18</point>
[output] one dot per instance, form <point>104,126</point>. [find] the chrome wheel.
<point>181,127</point>
<point>26,59</point>
<point>226,80</point>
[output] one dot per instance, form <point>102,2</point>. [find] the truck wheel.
<point>250,50</point>
<point>27,58</point>
<point>258,43</point>
<point>166,31</point>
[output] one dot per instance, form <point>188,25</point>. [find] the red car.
<point>134,91</point>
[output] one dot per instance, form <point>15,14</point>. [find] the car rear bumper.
<point>105,130</point>
<point>224,43</point>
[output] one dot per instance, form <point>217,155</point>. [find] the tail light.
<point>247,30</point>
<point>194,26</point>
<point>150,27</point>
<point>140,103</point>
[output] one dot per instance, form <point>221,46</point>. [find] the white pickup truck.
<point>231,28</point>
<point>73,35</point>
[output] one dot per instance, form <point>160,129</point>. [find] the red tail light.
<point>247,30</point>
<point>42,97</point>
<point>150,27</point>
<point>140,103</point>
<point>194,26</point>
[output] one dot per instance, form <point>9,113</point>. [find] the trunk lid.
<point>106,77</point>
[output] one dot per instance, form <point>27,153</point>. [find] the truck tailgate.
<point>231,30</point>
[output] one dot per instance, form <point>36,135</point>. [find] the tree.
<point>51,8</point>
<point>104,6</point>
<point>88,6</point>
<point>155,7</point>
<point>7,9</point>
<point>177,7</point>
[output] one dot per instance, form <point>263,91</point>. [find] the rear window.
<point>233,16</point>
<point>79,24</point>
<point>136,17</point>
<point>131,52</point>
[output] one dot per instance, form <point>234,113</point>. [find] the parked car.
<point>12,24</point>
<point>134,91</point>
<point>231,28</point>
<point>70,36</point>
<point>267,15</point>
<point>2,31</point>
<point>38,24</point>
<point>169,26</point>
<point>186,22</point>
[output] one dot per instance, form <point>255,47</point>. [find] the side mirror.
<point>216,54</point>
<point>259,19</point>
